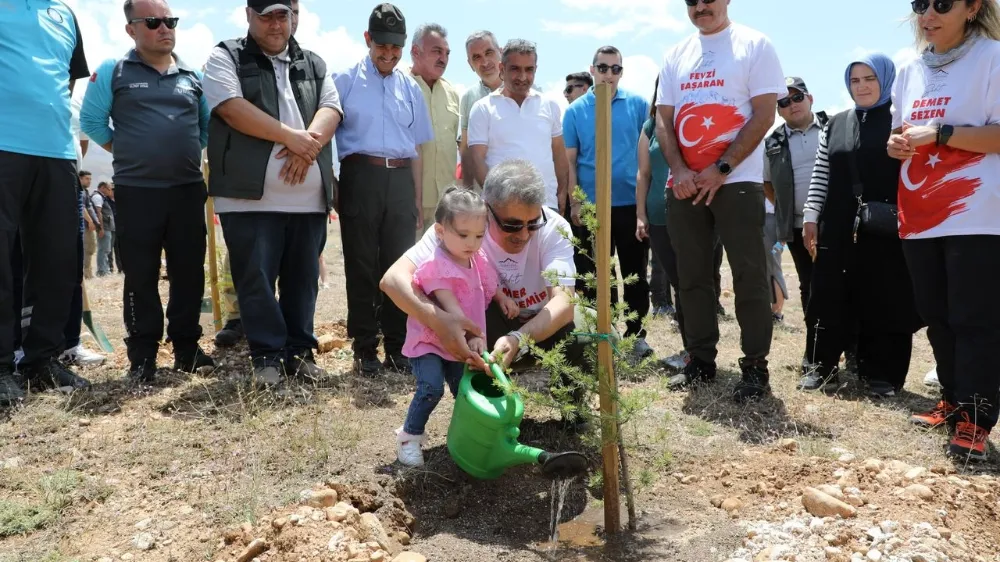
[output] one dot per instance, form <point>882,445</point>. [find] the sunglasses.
<point>569,89</point>
<point>154,23</point>
<point>694,3</point>
<point>511,228</point>
<point>615,69</point>
<point>940,6</point>
<point>789,100</point>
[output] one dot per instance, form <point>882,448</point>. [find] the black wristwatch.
<point>724,167</point>
<point>944,133</point>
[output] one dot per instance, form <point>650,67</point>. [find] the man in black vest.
<point>789,155</point>
<point>274,111</point>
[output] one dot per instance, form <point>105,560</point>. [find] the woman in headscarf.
<point>861,289</point>
<point>947,135</point>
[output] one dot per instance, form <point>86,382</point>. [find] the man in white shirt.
<point>483,53</point>
<point>516,122</point>
<point>717,96</point>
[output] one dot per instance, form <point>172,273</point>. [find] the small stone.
<point>789,445</point>
<point>295,519</point>
<point>832,552</point>
<point>329,343</point>
<point>375,530</point>
<point>253,550</point>
<point>919,491</point>
<point>915,472</point>
<point>943,469</point>
<point>829,490</point>
<point>823,505</point>
<point>144,541</point>
<point>689,479</point>
<point>144,524</point>
<point>403,538</point>
<point>847,457</point>
<point>874,555</point>
<point>945,532</point>
<point>84,422</point>
<point>377,556</point>
<point>409,557</point>
<point>731,505</point>
<point>320,498</point>
<point>873,465</point>
<point>333,545</point>
<point>279,523</point>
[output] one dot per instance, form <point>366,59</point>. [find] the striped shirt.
<point>819,184</point>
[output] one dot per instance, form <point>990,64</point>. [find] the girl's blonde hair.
<point>986,23</point>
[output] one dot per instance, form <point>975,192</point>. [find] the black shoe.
<point>777,318</point>
<point>267,374</point>
<point>230,334</point>
<point>11,387</point>
<point>881,389</point>
<point>697,372</point>
<point>755,383</point>
<point>143,372</point>
<point>366,363</point>
<point>53,374</point>
<point>815,380</point>
<point>397,362</point>
<point>303,366</point>
<point>190,363</point>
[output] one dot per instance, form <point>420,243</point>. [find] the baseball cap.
<point>267,6</point>
<point>387,26</point>
<point>796,83</point>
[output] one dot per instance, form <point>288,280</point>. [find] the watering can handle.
<point>497,370</point>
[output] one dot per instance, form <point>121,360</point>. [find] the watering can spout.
<point>482,437</point>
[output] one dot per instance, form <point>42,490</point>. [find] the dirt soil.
<point>201,465</point>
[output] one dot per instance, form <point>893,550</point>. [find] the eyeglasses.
<point>694,3</point>
<point>940,6</point>
<point>511,228</point>
<point>615,69</point>
<point>154,23</point>
<point>570,87</point>
<point>789,100</point>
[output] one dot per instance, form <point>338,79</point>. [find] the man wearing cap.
<point>160,194</point>
<point>789,156</point>
<point>381,177</point>
<point>483,54</point>
<point>430,53</point>
<point>42,53</point>
<point>516,122</point>
<point>274,112</point>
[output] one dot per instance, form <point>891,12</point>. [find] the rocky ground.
<point>205,468</point>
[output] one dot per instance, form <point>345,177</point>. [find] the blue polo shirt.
<point>41,50</point>
<point>384,116</point>
<point>628,112</point>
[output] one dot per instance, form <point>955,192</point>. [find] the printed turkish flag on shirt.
<point>934,187</point>
<point>705,131</point>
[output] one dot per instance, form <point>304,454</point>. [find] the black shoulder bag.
<point>873,217</point>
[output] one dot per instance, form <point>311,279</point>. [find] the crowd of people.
<point>454,210</point>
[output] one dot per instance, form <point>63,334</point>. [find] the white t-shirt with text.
<point>709,80</point>
<point>521,275</point>
<point>945,191</point>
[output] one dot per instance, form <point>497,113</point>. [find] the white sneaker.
<point>81,357</point>
<point>678,361</point>
<point>408,451</point>
<point>931,378</point>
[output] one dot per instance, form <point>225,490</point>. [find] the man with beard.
<point>717,94</point>
<point>154,101</point>
<point>275,109</point>
<point>516,122</point>
<point>381,179</point>
<point>430,54</point>
<point>483,54</point>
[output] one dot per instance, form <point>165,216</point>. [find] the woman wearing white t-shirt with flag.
<point>947,133</point>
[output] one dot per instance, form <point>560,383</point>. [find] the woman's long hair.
<point>986,23</point>
<point>656,90</point>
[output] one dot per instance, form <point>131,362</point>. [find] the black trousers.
<point>282,248</point>
<point>152,221</point>
<point>736,215</point>
<point>954,284</point>
<point>40,198</point>
<point>75,321</point>
<point>115,261</point>
<point>633,259</point>
<point>804,269</point>
<point>378,221</point>
<point>659,287</point>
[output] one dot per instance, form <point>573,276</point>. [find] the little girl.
<point>463,281</point>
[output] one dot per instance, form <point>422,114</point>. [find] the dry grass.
<point>201,453</point>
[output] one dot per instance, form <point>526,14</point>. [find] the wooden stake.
<point>605,353</point>
<point>213,259</point>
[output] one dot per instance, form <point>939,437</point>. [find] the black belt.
<point>380,161</point>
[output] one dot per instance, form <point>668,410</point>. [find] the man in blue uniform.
<point>160,119</point>
<point>42,47</point>
<point>380,184</point>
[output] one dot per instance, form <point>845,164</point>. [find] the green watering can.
<point>482,437</point>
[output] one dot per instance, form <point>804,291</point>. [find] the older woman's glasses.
<point>940,6</point>
<point>789,100</point>
<point>511,228</point>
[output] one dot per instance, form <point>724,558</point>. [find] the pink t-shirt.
<point>473,287</point>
